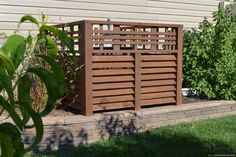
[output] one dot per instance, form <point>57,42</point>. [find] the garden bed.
<point>63,111</point>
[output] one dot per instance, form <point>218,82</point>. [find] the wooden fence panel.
<point>128,65</point>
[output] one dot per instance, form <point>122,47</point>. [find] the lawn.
<point>196,139</point>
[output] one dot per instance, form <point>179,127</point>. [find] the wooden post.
<point>137,80</point>
<point>86,49</point>
<point>179,65</point>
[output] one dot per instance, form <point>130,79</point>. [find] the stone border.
<point>77,130</point>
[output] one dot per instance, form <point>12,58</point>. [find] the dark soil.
<point>70,112</point>
<point>187,100</point>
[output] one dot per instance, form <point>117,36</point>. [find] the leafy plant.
<point>210,57</point>
<point>16,74</point>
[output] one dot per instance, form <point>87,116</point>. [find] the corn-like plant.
<point>16,74</point>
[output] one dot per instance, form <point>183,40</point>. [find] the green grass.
<point>184,140</point>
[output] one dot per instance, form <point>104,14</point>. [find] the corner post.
<point>179,65</point>
<point>86,49</point>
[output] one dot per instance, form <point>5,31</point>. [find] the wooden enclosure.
<point>126,64</point>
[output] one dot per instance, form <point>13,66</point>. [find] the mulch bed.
<point>70,112</point>
<point>187,100</point>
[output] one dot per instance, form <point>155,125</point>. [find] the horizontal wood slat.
<point>105,32</point>
<point>157,76</point>
<point>158,64</point>
<point>112,58</point>
<point>113,99</point>
<point>157,89</point>
<point>113,92</point>
<point>113,85</point>
<point>158,101</point>
<point>157,95</point>
<point>132,37</point>
<point>112,106</point>
<point>157,83</point>
<point>134,51</point>
<point>113,65</point>
<point>133,42</point>
<point>158,57</point>
<point>113,72</point>
<point>113,79</point>
<point>157,70</point>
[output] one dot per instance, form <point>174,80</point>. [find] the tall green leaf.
<point>11,110</point>
<point>14,48</point>
<point>38,123</point>
<point>25,103</point>
<point>6,63</point>
<point>50,45</point>
<point>61,35</point>
<point>5,82</point>
<point>7,149</point>
<point>14,139</point>
<point>28,18</point>
<point>24,85</point>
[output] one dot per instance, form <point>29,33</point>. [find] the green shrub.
<point>209,57</point>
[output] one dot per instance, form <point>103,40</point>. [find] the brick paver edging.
<point>76,130</point>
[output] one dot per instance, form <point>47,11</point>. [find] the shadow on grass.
<point>206,138</point>
<point>149,144</point>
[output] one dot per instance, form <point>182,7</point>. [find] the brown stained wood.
<point>116,28</point>
<point>158,76</point>
<point>106,32</point>
<point>113,85</point>
<point>111,99</point>
<point>158,83</point>
<point>113,79</point>
<point>86,71</point>
<point>157,95</point>
<point>179,67</point>
<point>157,70</point>
<point>157,89</point>
<point>112,106</point>
<point>113,72</point>
<point>158,58</point>
<point>132,37</point>
<point>132,51</point>
<point>158,64</point>
<point>113,92</point>
<point>134,64</point>
<point>113,65</point>
<point>112,58</point>
<point>139,24</point>
<point>137,82</point>
<point>158,101</point>
<point>133,42</point>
